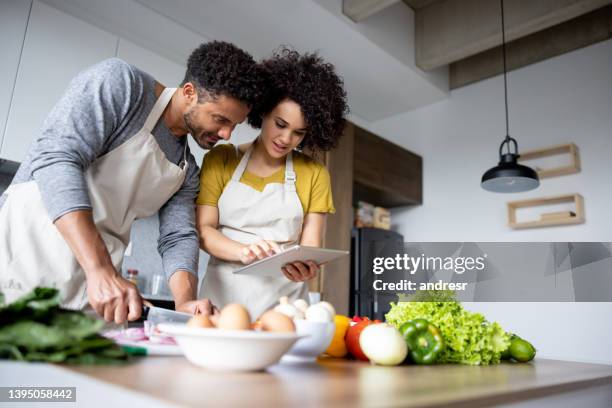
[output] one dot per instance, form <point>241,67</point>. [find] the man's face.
<point>214,119</point>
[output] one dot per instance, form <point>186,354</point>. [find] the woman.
<point>256,197</point>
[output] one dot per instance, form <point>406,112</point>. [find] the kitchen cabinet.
<point>335,276</point>
<point>364,167</point>
<point>57,46</point>
<point>385,174</point>
<point>13,23</point>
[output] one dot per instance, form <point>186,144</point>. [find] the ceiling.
<point>466,34</point>
<point>418,4</point>
<point>394,60</point>
<point>374,58</point>
<point>378,84</point>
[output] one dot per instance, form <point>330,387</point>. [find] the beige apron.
<point>130,182</point>
<point>247,215</point>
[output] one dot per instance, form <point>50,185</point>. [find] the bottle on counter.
<point>132,276</point>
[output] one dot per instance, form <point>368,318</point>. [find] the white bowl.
<point>317,338</point>
<point>237,350</point>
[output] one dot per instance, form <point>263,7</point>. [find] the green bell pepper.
<point>424,340</point>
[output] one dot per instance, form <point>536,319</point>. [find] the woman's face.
<point>283,129</point>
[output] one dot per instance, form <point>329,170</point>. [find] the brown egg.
<point>200,321</point>
<point>214,318</point>
<point>276,322</point>
<point>234,317</point>
<point>256,325</point>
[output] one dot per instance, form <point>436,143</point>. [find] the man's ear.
<point>190,92</point>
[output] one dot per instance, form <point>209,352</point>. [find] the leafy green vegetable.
<point>469,337</point>
<point>35,328</point>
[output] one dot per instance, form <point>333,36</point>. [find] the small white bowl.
<point>317,337</point>
<point>234,350</point>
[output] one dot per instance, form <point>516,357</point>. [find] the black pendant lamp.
<point>508,176</point>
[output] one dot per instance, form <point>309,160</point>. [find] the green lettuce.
<point>469,337</point>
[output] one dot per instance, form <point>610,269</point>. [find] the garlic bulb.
<point>289,310</point>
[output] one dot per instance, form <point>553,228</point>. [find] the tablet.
<point>271,266</point>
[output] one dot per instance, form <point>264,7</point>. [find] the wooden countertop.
<point>337,382</point>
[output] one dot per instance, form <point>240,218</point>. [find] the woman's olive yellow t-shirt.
<point>312,179</point>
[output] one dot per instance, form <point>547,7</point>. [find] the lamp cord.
<point>505,75</point>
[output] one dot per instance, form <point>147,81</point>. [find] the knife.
<point>158,315</point>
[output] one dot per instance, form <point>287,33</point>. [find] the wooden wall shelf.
<point>568,148</point>
<point>575,216</point>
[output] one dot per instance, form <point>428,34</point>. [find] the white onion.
<point>383,344</point>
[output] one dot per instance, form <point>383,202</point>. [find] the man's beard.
<point>200,135</point>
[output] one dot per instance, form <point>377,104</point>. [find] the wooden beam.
<point>359,10</point>
<point>418,4</point>
<point>570,35</point>
<point>451,30</point>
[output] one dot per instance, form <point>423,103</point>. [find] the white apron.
<point>130,182</point>
<point>247,215</point>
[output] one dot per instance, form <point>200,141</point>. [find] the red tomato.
<point>352,339</point>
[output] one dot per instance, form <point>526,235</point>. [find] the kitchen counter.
<point>337,382</point>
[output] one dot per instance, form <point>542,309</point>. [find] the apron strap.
<point>244,161</point>
<point>183,164</point>
<point>289,173</point>
<point>158,109</point>
<point>155,114</point>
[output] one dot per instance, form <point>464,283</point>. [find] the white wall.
<point>13,22</point>
<point>562,331</point>
<point>563,99</point>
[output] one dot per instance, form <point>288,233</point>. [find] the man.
<point>114,149</point>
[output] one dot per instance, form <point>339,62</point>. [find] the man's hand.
<point>300,271</point>
<point>259,250</point>
<point>202,306</point>
<point>113,297</point>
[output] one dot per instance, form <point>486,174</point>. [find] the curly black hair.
<point>220,68</point>
<point>311,83</point>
